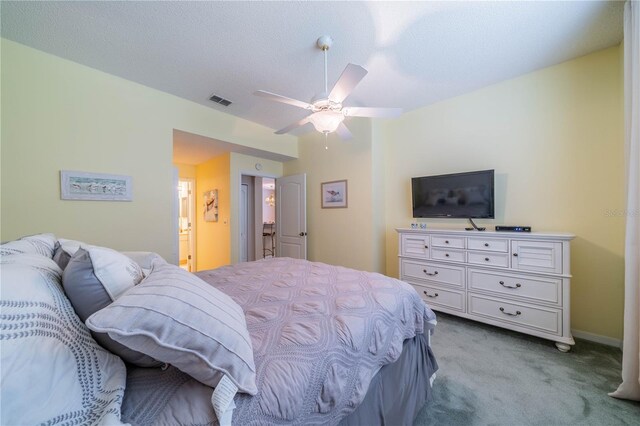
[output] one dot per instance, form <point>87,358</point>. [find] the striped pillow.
<point>175,317</point>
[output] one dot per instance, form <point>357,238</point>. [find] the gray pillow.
<point>179,319</point>
<point>60,256</point>
<point>88,295</point>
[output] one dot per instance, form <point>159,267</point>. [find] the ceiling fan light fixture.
<point>327,112</point>
<point>326,121</point>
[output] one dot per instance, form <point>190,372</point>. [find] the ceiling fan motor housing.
<point>324,42</point>
<point>322,102</point>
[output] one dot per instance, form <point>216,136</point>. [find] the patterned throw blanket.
<point>319,332</point>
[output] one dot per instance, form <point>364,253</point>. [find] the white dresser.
<point>514,280</point>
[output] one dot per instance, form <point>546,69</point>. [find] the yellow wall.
<point>185,171</point>
<point>59,115</point>
<point>340,236</point>
<point>213,239</point>
<point>555,140</point>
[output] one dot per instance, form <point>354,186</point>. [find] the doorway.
<point>279,224</point>
<point>268,217</point>
<point>186,224</point>
<point>257,218</point>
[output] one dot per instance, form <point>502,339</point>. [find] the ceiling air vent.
<point>222,101</point>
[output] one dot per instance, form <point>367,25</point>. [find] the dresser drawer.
<point>547,320</point>
<point>454,242</point>
<point>435,296</point>
<point>449,255</point>
<point>537,256</point>
<point>415,246</point>
<point>489,259</point>
<point>535,289</point>
<point>488,244</point>
<point>437,273</point>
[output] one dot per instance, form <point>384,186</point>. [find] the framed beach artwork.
<point>94,186</point>
<point>334,194</point>
<point>211,206</point>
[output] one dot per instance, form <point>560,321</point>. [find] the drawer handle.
<point>510,286</point>
<point>446,241</point>
<point>434,273</point>
<point>515,254</point>
<point>446,254</point>
<point>426,246</point>
<point>430,295</point>
<point>508,313</point>
<point>486,244</point>
<point>486,259</point>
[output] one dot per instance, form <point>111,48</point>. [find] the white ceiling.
<point>417,53</point>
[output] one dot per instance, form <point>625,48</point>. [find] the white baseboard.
<point>609,341</point>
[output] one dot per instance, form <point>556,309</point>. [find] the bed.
<point>330,345</point>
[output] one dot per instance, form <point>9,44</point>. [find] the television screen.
<point>460,195</point>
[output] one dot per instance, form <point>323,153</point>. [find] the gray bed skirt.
<point>395,396</point>
<point>399,390</point>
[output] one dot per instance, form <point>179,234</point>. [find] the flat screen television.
<point>460,195</point>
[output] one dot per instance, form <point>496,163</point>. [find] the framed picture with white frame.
<point>94,186</point>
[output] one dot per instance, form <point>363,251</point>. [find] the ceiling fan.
<point>327,112</point>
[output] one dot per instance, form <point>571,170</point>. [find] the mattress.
<point>331,345</point>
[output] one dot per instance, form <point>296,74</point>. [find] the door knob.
<point>303,234</point>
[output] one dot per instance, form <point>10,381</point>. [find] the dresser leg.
<point>563,347</point>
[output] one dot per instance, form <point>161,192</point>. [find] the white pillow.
<point>52,370</point>
<point>116,272</point>
<point>71,246</point>
<point>175,317</point>
<point>144,259</point>
<point>42,244</point>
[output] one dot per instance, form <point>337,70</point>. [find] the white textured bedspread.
<point>319,334</point>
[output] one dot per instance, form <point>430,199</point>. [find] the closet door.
<point>291,216</point>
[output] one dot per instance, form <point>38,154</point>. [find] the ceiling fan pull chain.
<point>326,140</point>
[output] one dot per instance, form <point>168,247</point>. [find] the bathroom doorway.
<point>186,224</point>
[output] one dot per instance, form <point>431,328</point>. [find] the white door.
<point>291,216</point>
<point>244,218</point>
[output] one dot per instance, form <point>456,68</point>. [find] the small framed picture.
<point>334,194</point>
<point>211,206</point>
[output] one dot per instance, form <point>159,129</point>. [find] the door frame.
<point>238,183</point>
<point>192,221</point>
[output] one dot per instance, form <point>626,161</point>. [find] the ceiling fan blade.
<point>372,112</point>
<point>283,99</point>
<point>348,80</point>
<point>290,127</point>
<point>344,132</point>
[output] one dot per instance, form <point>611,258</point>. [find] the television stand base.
<point>474,227</point>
